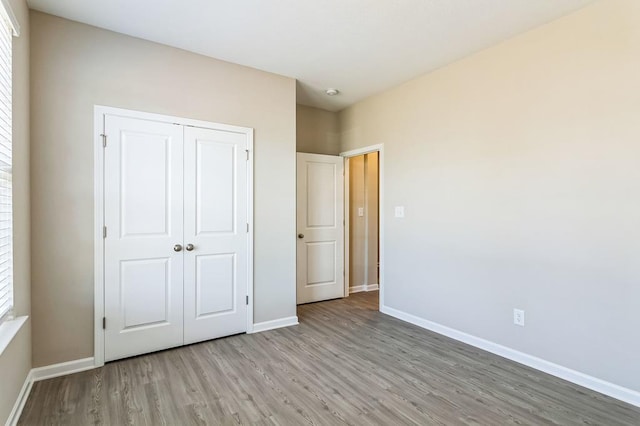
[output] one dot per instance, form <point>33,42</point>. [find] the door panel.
<point>143,215</point>
<point>321,263</point>
<point>215,189</point>
<point>320,249</point>
<point>215,200</point>
<point>156,275</point>
<point>215,284</point>
<point>322,204</point>
<point>144,208</point>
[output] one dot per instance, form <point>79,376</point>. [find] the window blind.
<point>6,210</point>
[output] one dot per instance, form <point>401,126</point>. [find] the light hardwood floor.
<point>345,363</point>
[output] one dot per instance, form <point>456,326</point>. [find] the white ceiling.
<point>360,47</point>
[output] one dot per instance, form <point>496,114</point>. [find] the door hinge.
<point>104,140</point>
<point>104,323</point>
<point>247,227</point>
<point>104,232</point>
<point>247,300</point>
<point>247,151</point>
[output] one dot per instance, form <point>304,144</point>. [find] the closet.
<point>176,233</point>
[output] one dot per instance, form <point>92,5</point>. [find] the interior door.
<point>143,261</point>
<point>216,234</point>
<point>320,227</point>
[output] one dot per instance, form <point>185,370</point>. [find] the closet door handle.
<point>190,247</point>
<point>177,247</point>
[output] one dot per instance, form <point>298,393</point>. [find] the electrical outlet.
<point>518,317</point>
<point>360,211</point>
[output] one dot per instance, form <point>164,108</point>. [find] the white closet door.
<point>215,234</point>
<point>143,165</point>
<point>320,213</point>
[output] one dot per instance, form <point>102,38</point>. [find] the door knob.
<point>190,247</point>
<point>301,236</point>
<point>177,247</point>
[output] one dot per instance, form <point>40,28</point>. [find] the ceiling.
<point>360,47</point>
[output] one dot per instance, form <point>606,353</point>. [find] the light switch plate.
<point>360,211</point>
<point>399,211</point>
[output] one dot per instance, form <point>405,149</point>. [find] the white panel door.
<point>143,201</point>
<point>215,234</point>
<point>320,212</point>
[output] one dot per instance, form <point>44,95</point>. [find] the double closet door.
<point>176,244</point>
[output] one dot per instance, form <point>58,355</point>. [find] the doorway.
<point>364,247</point>
<point>364,219</point>
<point>323,231</point>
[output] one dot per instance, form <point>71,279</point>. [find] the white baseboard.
<point>273,324</point>
<point>62,369</point>
<point>610,389</point>
<point>364,287</point>
<point>42,373</point>
<point>20,401</point>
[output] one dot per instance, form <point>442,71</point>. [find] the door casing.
<point>99,113</point>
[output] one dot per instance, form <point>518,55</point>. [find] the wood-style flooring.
<point>346,363</point>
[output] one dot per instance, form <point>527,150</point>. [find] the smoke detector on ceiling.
<point>332,92</point>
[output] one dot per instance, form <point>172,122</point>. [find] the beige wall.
<point>363,230</point>
<point>519,171</point>
<point>357,249</point>
<point>371,212</point>
<point>74,67</point>
<point>15,361</point>
<point>317,131</point>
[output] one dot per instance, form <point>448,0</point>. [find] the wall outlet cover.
<point>518,317</point>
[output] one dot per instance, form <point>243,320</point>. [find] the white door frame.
<point>98,178</point>
<point>354,153</point>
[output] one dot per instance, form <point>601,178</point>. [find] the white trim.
<point>361,151</point>
<point>366,150</point>
<point>361,288</point>
<point>43,373</point>
<point>346,228</point>
<point>100,112</point>
<point>142,115</point>
<point>98,241</point>
<point>250,166</point>
<point>365,185</point>
<point>62,369</point>
<point>9,329</point>
<point>273,324</point>
<point>16,411</point>
<point>8,14</point>
<point>610,389</point>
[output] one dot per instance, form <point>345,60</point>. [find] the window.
<point>7,30</point>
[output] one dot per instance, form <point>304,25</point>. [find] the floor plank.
<point>346,363</point>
